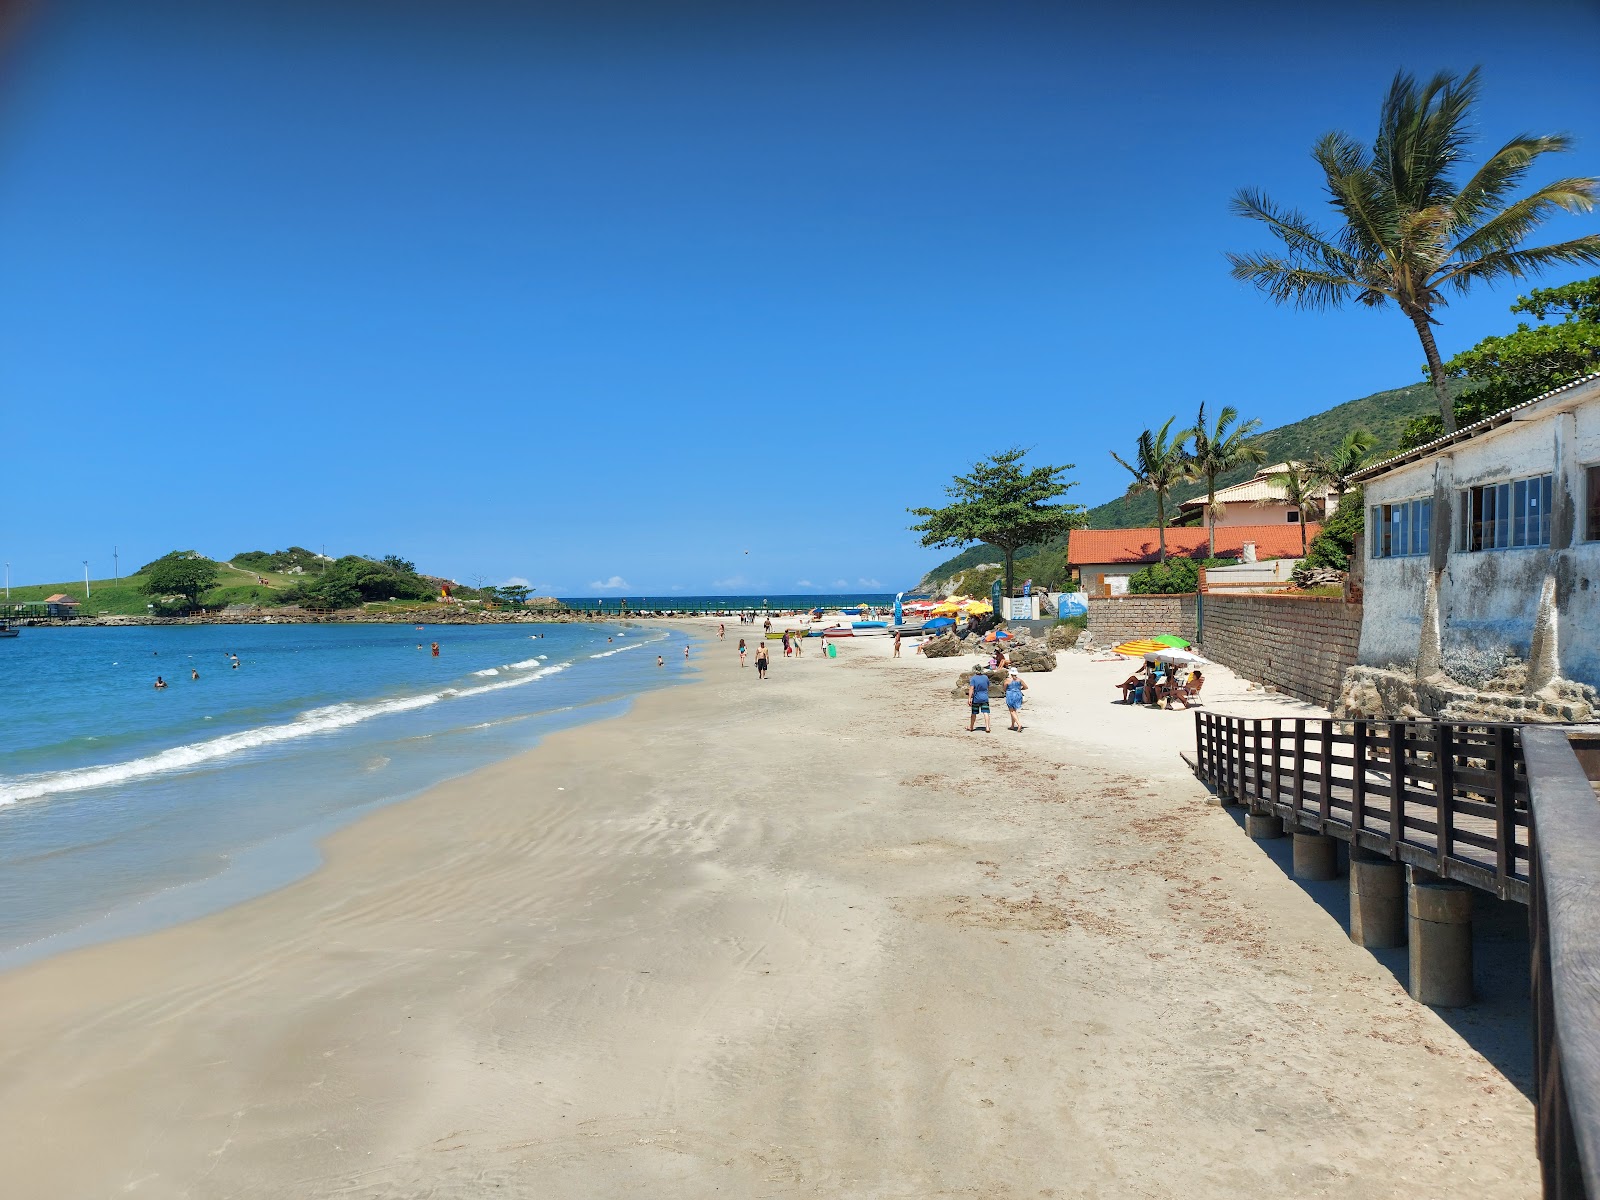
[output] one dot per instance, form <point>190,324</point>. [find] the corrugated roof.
<point>1467,431</point>
<point>1143,545</point>
<point>60,598</point>
<point>1249,492</point>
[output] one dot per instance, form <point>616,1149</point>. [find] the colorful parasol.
<point>1173,640</point>
<point>1141,647</point>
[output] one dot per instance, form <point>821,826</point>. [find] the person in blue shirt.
<point>1014,689</point>
<point>978,698</point>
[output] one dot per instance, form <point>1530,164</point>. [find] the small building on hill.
<point>61,605</point>
<point>1256,501</point>
<point>1481,568</point>
<point>1103,559</point>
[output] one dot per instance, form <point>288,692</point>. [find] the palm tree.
<point>1407,231</point>
<point>1158,466</point>
<point>1217,450</point>
<point>1332,471</point>
<point>1302,491</point>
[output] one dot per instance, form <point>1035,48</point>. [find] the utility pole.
<point>86,579</point>
<point>116,566</point>
<point>8,581</point>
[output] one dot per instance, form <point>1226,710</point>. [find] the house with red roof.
<point>1103,559</point>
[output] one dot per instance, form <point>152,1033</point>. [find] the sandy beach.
<point>806,937</point>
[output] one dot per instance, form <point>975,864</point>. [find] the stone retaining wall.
<point>1114,619</point>
<point>1301,645</point>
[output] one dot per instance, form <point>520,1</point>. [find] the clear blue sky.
<point>584,292</point>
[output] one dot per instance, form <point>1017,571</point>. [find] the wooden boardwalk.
<point>1456,805</point>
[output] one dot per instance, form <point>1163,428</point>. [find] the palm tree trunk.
<point>1302,533</point>
<point>1447,411</point>
<point>1211,510</point>
<point>1161,522</point>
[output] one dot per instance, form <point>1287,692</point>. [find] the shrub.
<point>1176,575</point>
<point>1334,545</point>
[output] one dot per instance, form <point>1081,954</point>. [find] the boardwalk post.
<point>1277,774</point>
<point>1326,768</point>
<point>1259,765</point>
<point>1358,782</point>
<point>1316,856</point>
<point>1505,785</point>
<point>1397,787</point>
<point>1297,796</point>
<point>1444,789</point>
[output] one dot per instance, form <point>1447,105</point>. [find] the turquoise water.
<point>123,807</point>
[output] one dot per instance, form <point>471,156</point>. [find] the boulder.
<point>946,645</point>
<point>1063,637</point>
<point>997,681</point>
<point>1031,655</point>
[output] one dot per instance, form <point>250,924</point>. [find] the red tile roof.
<point>1142,545</point>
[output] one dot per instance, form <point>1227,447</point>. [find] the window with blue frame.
<point>1400,530</point>
<point>1505,516</point>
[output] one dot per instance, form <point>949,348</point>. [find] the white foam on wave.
<point>178,758</point>
<point>489,671</point>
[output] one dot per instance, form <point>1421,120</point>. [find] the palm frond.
<point>1518,264</point>
<point>1423,132</point>
<point>1368,230</point>
<point>1492,183</point>
<point>1290,283</point>
<point>1509,227</point>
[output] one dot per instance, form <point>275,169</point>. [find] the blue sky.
<point>609,293</point>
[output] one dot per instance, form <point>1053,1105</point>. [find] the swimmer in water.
<point>193,674</point>
<point>660,662</point>
<point>160,683</point>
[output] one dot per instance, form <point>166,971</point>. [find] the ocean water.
<point>670,603</point>
<point>124,808</point>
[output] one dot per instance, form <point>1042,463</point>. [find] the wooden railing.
<point>1449,797</point>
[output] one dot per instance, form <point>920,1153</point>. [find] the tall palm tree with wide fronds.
<point>1160,463</point>
<point>1302,491</point>
<point>1407,230</point>
<point>1332,470</point>
<point>1217,449</point>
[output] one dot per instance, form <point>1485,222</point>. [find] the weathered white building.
<point>1481,567</point>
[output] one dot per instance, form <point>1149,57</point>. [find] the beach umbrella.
<point>980,606</point>
<point>939,623</point>
<point>1185,657</point>
<point>1173,640</point>
<point>1141,646</point>
<point>946,609</point>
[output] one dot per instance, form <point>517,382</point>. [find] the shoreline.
<point>798,937</point>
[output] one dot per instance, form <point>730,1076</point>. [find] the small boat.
<point>8,630</point>
<point>870,624</point>
<point>838,631</point>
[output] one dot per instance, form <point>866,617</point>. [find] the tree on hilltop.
<point>1407,230</point>
<point>181,573</point>
<point>1003,504</point>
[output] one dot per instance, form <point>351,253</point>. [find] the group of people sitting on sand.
<point>1163,685</point>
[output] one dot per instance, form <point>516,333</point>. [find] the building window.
<point>1500,516</point>
<point>1591,524</point>
<point>1401,530</point>
<point>1294,516</point>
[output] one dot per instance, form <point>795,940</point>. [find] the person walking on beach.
<point>766,626</point>
<point>978,698</point>
<point>741,652</point>
<point>896,653</point>
<point>786,643</point>
<point>722,631</point>
<point>761,660</point>
<point>799,643</point>
<point>686,654</point>
<point>1015,686</point>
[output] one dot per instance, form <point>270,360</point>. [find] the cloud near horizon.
<point>804,583</point>
<point>733,581</point>
<point>868,583</point>
<point>516,581</point>
<point>615,584</point>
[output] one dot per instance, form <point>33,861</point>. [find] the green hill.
<point>1383,415</point>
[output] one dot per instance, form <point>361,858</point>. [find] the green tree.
<point>1160,463</point>
<point>1302,491</point>
<point>1217,449</point>
<point>403,565</point>
<point>1335,542</point>
<point>181,573</point>
<point>1175,576</point>
<point>1003,504</point>
<point>1332,469</point>
<point>1407,230</point>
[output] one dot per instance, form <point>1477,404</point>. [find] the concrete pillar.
<point>1316,856</point>
<point>1262,827</point>
<point>1377,902</point>
<point>1440,928</point>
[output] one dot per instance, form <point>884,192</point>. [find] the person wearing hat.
<point>1015,686</point>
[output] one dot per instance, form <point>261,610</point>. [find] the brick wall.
<point>1301,645</point>
<point>1114,619</point>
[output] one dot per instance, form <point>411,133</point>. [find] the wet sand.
<point>806,937</point>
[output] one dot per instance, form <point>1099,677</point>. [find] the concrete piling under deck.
<point>1439,925</point>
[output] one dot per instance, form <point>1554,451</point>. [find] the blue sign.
<point>898,620</point>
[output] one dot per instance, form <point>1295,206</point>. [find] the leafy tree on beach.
<point>1160,463</point>
<point>1506,370</point>
<point>1407,230</point>
<point>1004,504</point>
<point>181,573</point>
<point>1217,449</point>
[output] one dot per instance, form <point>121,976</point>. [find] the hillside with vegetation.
<point>184,581</point>
<point>1385,415</point>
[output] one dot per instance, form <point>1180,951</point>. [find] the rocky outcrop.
<point>945,645</point>
<point>997,680</point>
<point>1377,692</point>
<point>1064,637</point>
<point>1031,655</point>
